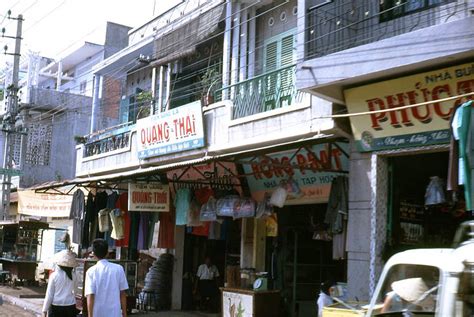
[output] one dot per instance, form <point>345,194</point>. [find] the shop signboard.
<point>237,304</point>
<point>418,126</point>
<point>219,176</point>
<point>43,205</point>
<point>176,130</point>
<point>151,197</point>
<point>268,172</point>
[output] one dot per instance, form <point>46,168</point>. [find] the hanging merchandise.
<point>182,203</point>
<point>337,205</point>
<point>203,194</point>
<point>434,192</point>
<point>202,231</point>
<point>104,220</point>
<point>244,208</point>
<point>86,226</point>
<point>271,225</point>
<point>77,215</point>
<point>116,216</point>
<point>264,208</point>
<point>122,204</point>
<point>226,205</point>
<point>208,210</point>
<point>194,214</point>
<point>215,230</point>
<point>166,230</point>
<point>279,196</point>
<point>100,203</point>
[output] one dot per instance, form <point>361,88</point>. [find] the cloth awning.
<point>183,40</point>
<point>68,187</point>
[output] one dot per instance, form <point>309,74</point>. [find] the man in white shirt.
<point>207,274</point>
<point>105,285</point>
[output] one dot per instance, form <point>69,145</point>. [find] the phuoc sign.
<point>304,168</point>
<point>43,205</point>
<point>176,130</point>
<point>153,197</point>
<point>417,126</point>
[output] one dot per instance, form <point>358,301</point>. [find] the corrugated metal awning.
<point>183,40</point>
<point>68,186</point>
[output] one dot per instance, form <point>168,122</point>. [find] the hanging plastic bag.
<point>209,210</point>
<point>244,208</point>
<point>434,192</point>
<point>104,220</point>
<point>226,205</point>
<point>264,208</point>
<point>279,196</point>
<point>194,214</point>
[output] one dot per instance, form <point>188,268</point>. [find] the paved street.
<point>7,310</point>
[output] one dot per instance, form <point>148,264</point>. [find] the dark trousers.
<point>63,311</point>
<point>209,292</point>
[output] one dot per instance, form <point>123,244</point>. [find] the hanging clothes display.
<point>77,212</point>
<point>142,243</point>
<point>122,204</point>
<point>104,220</point>
<point>100,203</point>
<point>202,231</point>
<point>182,203</point>
<point>435,192</point>
<point>116,216</point>
<point>166,232</point>
<point>87,221</point>
<point>336,215</point>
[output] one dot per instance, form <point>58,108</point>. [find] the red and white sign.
<point>154,197</point>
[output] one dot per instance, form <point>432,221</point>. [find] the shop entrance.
<point>304,261</point>
<point>412,223</point>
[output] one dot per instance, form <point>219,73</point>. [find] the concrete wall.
<point>82,74</point>
<point>116,38</point>
<point>449,38</point>
<point>62,153</point>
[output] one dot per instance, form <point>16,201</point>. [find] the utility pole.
<point>9,126</point>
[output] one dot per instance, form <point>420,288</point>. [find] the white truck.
<point>428,282</point>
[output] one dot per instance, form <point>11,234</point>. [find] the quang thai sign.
<point>176,130</point>
<point>154,197</point>
<point>43,205</point>
<point>418,126</point>
<point>305,168</point>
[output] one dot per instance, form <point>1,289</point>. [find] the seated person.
<point>411,294</point>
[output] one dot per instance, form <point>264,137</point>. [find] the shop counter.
<point>250,303</point>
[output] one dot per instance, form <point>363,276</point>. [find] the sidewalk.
<point>21,297</point>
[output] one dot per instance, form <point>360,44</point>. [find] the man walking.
<point>105,285</point>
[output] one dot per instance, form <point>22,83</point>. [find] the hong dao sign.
<point>176,130</point>
<point>306,168</point>
<point>418,126</point>
<point>43,205</point>
<point>153,197</point>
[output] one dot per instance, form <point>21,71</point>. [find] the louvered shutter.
<point>270,81</point>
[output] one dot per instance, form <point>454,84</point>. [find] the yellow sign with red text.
<point>417,126</point>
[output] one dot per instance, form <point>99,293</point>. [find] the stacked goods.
<point>158,282</point>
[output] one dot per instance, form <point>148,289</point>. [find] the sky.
<point>55,27</point>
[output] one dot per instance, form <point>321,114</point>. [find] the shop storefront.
<point>416,198</point>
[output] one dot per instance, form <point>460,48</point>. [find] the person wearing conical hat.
<point>60,300</point>
<point>409,293</point>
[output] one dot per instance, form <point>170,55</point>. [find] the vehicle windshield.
<point>409,287</point>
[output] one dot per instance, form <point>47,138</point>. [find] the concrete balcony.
<point>47,99</point>
<point>348,44</point>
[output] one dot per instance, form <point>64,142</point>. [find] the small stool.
<point>148,301</point>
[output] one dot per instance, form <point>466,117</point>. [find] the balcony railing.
<point>339,25</point>
<point>109,140</point>
<point>266,92</point>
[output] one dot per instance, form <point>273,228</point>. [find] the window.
<point>392,9</point>
<point>278,86</point>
